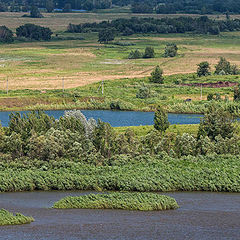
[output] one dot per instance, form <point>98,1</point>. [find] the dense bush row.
<point>125,201</point>
<point>201,25</point>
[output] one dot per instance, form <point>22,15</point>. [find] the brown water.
<point>201,215</point>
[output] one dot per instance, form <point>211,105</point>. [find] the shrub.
<point>185,145</point>
<point>216,121</point>
<point>170,50</point>
<point>157,75</point>
<point>210,97</point>
<point>149,52</point>
<point>161,122</point>
<point>35,13</point>
<point>143,92</point>
<point>106,35</point>
<point>6,35</point>
<point>224,67</point>
<point>35,32</point>
<point>236,93</point>
<point>135,54</point>
<point>203,69</point>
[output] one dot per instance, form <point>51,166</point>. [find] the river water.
<point>202,215</point>
<point>120,118</point>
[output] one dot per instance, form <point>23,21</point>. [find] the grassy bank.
<point>7,218</point>
<point>125,201</point>
<point>219,173</point>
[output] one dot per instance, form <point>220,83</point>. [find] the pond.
<point>120,118</point>
<point>202,215</point>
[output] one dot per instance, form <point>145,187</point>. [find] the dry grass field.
<point>44,65</point>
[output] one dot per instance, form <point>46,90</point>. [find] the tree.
<point>149,52</point>
<point>35,13</point>
<point>203,69</point>
<point>106,35</point>
<point>6,35</point>
<point>49,5</point>
<point>170,50</point>
<point>33,31</point>
<point>236,93</point>
<point>216,121</point>
<point>161,122</point>
<point>143,92</point>
<point>135,54</point>
<point>225,67</point>
<point>157,75</point>
<point>67,8</point>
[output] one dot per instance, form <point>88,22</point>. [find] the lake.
<point>120,118</point>
<point>202,215</point>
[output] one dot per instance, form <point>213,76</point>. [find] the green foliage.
<point>170,50</point>
<point>35,13</point>
<point>106,35</point>
<point>149,52</point>
<point>224,67</point>
<point>143,92</point>
<point>216,122</point>
<point>125,201</point>
<point>185,145</point>
<point>203,69</point>
<point>236,93</point>
<point>161,120</point>
<point>35,32</point>
<point>49,5</point>
<point>6,35</point>
<point>7,218</point>
<point>157,75</point>
<point>135,54</point>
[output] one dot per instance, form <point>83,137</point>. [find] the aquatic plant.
<point>7,218</point>
<point>126,201</point>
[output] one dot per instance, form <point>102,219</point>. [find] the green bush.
<point>6,35</point>
<point>157,75</point>
<point>170,50</point>
<point>143,92</point>
<point>135,54</point>
<point>149,52</point>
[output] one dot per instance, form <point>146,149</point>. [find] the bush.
<point>6,35</point>
<point>224,67</point>
<point>149,52</point>
<point>185,145</point>
<point>216,122</point>
<point>135,54</point>
<point>35,32</point>
<point>143,92</point>
<point>35,13</point>
<point>203,69</point>
<point>157,75</point>
<point>106,35</point>
<point>170,50</point>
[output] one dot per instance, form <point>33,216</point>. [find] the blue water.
<point>120,118</point>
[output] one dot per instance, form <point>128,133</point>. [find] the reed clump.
<point>8,218</point>
<point>126,201</point>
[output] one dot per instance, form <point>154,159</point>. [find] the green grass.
<point>7,218</point>
<point>124,201</point>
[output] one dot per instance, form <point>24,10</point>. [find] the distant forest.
<point>137,6</point>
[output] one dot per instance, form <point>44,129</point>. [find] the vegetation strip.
<point>125,201</point>
<point>7,218</point>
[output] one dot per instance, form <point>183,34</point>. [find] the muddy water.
<point>201,216</point>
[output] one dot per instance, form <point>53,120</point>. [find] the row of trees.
<point>28,31</point>
<point>202,25</point>
<point>38,136</point>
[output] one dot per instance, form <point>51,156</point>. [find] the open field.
<point>43,65</point>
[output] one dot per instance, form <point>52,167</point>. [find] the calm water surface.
<point>201,215</point>
<point>120,118</point>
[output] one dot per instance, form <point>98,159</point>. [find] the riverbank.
<point>121,94</point>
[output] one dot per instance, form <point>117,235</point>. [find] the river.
<point>202,215</point>
<point>120,118</point>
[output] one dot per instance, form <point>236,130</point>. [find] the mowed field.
<point>44,65</point>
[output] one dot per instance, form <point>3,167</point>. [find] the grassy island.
<point>7,218</point>
<point>125,201</point>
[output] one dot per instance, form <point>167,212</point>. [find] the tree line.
<point>201,25</point>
